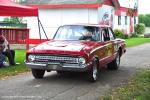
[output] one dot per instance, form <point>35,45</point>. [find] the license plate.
<point>54,66</point>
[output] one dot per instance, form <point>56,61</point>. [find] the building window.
<point>119,20</point>
<point>134,20</point>
<point>126,20</point>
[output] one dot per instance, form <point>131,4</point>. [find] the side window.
<point>126,20</point>
<point>105,35</point>
<point>102,35</point>
<point>111,35</point>
<point>96,34</point>
<point>119,20</point>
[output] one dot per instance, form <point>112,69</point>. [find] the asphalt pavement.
<point>74,87</point>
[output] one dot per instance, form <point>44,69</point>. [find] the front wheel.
<point>93,73</point>
<point>114,65</point>
<point>37,73</point>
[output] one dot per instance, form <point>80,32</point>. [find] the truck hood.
<point>58,46</point>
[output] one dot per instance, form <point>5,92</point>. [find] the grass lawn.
<point>19,68</point>
<point>136,41</point>
<point>138,88</point>
<point>20,57</point>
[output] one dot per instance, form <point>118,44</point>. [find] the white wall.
<point>53,18</point>
<point>123,26</point>
<point>147,30</point>
<point>137,20</point>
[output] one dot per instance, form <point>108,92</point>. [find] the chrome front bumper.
<point>58,67</point>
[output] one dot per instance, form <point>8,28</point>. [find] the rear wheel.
<point>93,73</point>
<point>114,65</point>
<point>37,73</point>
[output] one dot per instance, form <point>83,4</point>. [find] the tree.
<point>19,1</point>
<point>145,19</point>
<point>16,20</point>
<point>141,19</point>
<point>140,28</point>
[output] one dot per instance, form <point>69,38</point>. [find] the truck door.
<point>114,42</point>
<point>107,45</point>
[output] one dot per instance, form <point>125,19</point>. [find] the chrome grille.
<point>55,59</point>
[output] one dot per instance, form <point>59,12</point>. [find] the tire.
<point>93,73</point>
<point>37,73</point>
<point>60,72</point>
<point>114,65</point>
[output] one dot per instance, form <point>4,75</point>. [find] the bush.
<point>126,36</point>
<point>134,35</point>
<point>120,34</point>
<point>139,28</point>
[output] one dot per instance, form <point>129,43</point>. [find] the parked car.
<point>77,48</point>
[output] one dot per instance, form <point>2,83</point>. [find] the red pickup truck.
<point>77,48</point>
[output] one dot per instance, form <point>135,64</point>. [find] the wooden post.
<point>27,39</point>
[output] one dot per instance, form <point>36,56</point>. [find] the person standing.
<point>7,51</point>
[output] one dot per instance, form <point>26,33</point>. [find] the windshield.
<point>76,32</point>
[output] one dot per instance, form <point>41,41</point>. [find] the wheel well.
<point>97,60</point>
<point>120,51</point>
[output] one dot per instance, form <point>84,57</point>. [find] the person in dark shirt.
<point>6,50</point>
<point>2,57</point>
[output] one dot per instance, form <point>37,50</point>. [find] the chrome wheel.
<point>118,60</point>
<point>114,65</point>
<point>95,71</point>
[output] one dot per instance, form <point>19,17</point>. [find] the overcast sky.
<point>144,6</point>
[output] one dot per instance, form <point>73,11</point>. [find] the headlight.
<point>81,61</point>
<point>31,58</point>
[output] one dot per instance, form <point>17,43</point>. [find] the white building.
<point>119,14</point>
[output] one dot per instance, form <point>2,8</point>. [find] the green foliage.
<point>21,1</point>
<point>136,41</point>
<point>98,0</point>
<point>138,88</point>
<point>126,36</point>
<point>139,28</point>
<point>145,19</point>
<point>16,20</point>
<point>120,34</point>
<point>134,35</point>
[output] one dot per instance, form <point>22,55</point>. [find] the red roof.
<point>53,4</point>
<point>9,8</point>
<point>48,6</point>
